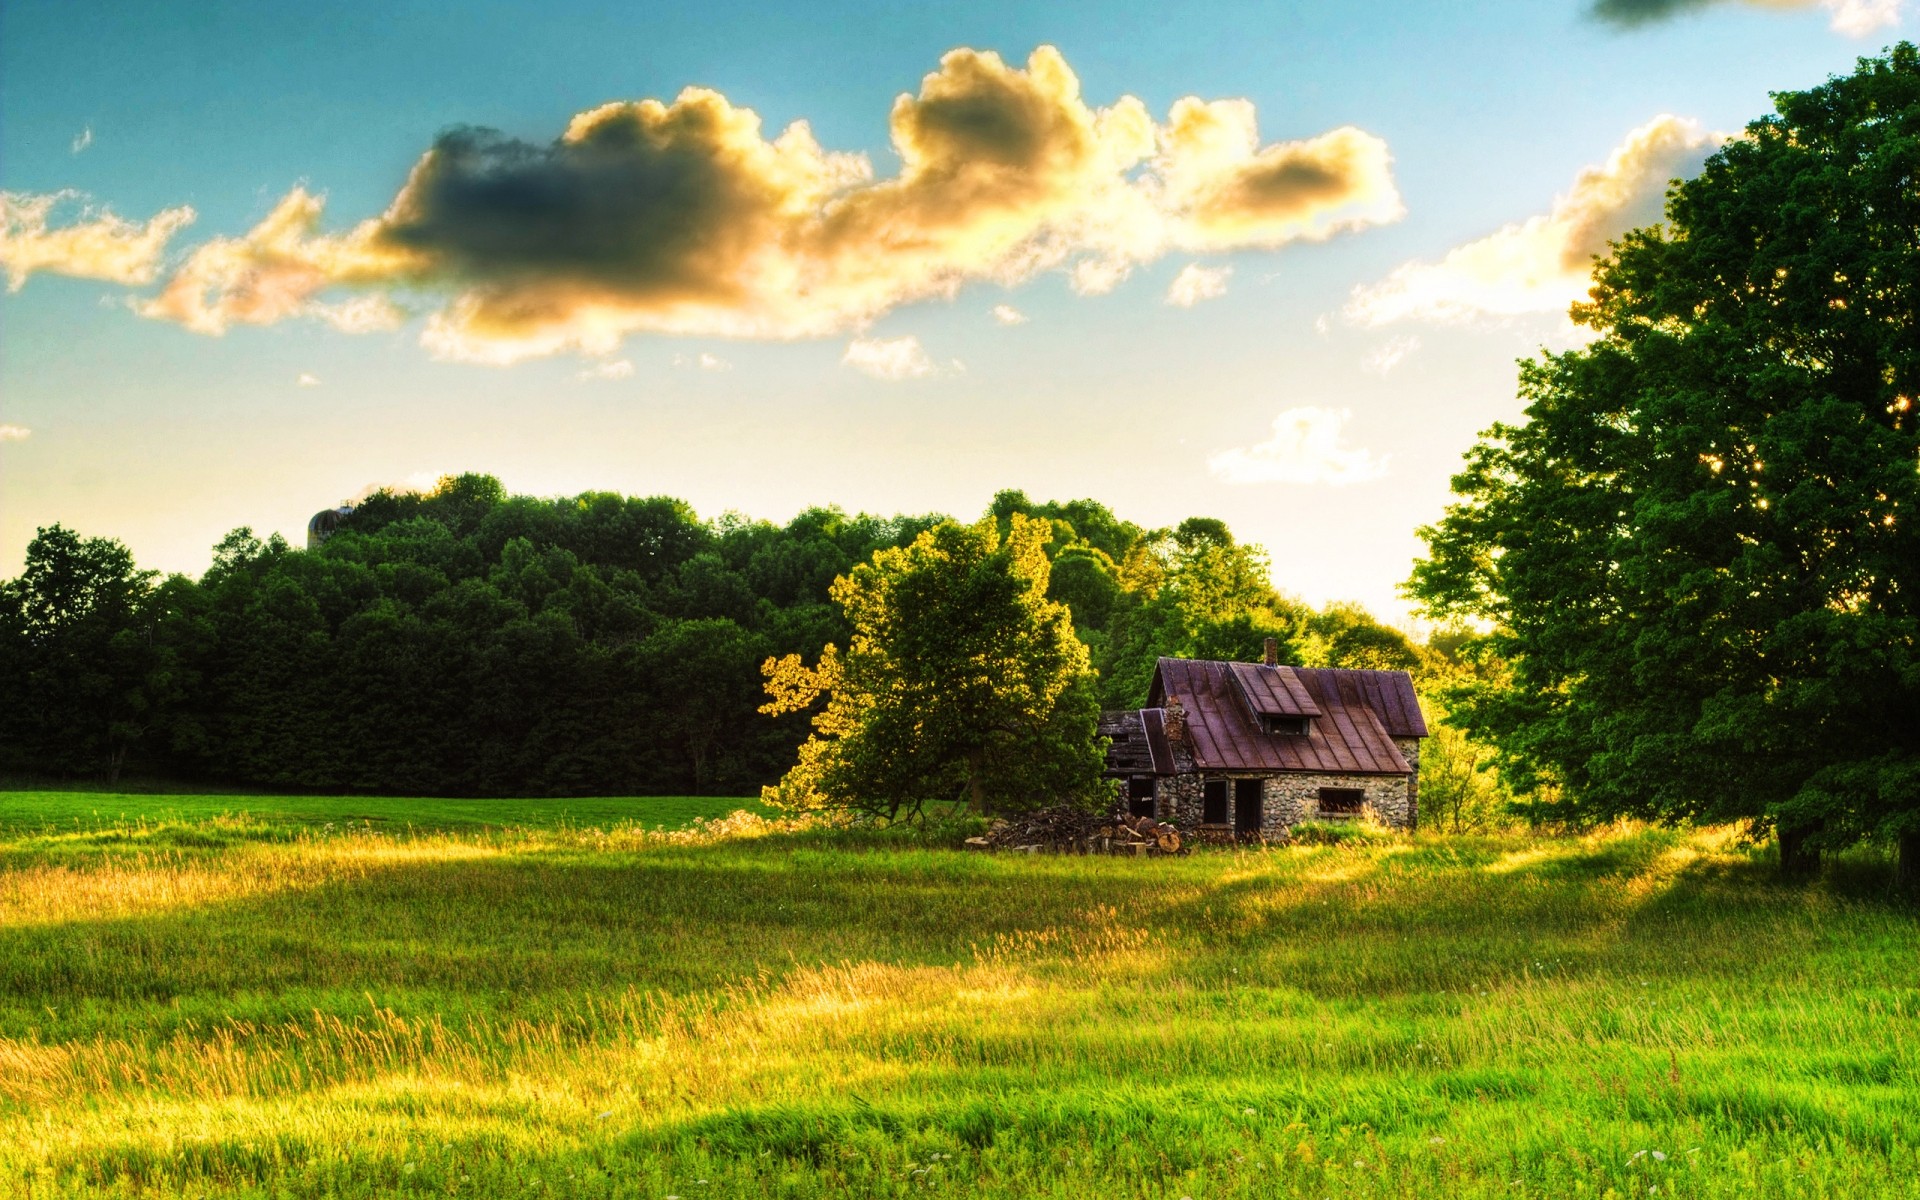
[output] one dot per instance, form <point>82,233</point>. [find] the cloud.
<point>889,358</point>
<point>1007,314</point>
<point>1545,263</point>
<point>683,217</point>
<point>703,360</point>
<point>307,379</point>
<point>1305,448</point>
<point>618,368</point>
<point>276,271</point>
<point>1195,283</point>
<point>1386,358</point>
<point>97,246</point>
<point>14,433</point>
<point>1855,18</point>
<point>83,139</point>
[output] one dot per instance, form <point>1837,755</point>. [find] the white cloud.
<point>1305,448</point>
<point>1544,264</point>
<point>1007,314</point>
<point>889,358</point>
<point>618,368</point>
<point>1858,18</point>
<point>307,379</point>
<point>1389,356</point>
<point>1195,283</point>
<point>83,139</point>
<point>703,361</point>
<point>14,433</point>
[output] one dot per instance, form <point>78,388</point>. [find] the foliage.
<point>80,673</point>
<point>465,641</point>
<point>960,678</point>
<point>1700,553</point>
<point>220,1010</point>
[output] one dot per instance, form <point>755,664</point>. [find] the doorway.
<point>1140,796</point>
<point>1246,805</point>
<point>1213,802</point>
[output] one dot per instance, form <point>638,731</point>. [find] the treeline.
<point>470,642</point>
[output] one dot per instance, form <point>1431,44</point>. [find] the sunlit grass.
<point>229,1007</point>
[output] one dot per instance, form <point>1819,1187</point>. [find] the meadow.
<point>238,1000</point>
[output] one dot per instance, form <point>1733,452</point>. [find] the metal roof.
<point>1138,742</point>
<point>1355,716</point>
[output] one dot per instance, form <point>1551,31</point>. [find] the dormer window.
<point>1277,724</point>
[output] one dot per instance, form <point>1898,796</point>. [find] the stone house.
<point>1253,749</point>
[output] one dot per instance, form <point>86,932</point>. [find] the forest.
<point>465,641</point>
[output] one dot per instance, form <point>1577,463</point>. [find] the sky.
<point>1272,263</point>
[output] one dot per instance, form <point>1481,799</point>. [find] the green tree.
<point>1700,552</point>
<point>961,680</point>
<point>83,673</point>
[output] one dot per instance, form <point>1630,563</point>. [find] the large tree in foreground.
<point>961,681</point>
<point>1701,550</point>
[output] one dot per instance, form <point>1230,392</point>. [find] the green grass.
<point>24,812</point>
<point>256,1007</point>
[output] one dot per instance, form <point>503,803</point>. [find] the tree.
<point>961,680</point>
<point>1700,552</point>
<point>82,671</point>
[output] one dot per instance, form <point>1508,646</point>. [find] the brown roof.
<point>1138,743</point>
<point>1355,716</point>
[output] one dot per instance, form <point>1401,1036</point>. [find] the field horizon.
<point>227,1007</point>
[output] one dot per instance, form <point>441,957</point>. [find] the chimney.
<point>1273,652</point>
<point>1176,720</point>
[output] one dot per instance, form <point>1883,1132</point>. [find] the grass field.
<point>261,1006</point>
<point>23,812</point>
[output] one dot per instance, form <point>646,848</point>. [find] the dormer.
<point>1274,695</point>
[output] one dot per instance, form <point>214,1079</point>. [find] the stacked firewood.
<point>1065,829</point>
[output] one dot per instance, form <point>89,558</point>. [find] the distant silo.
<point>325,524</point>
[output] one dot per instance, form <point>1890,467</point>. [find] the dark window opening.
<point>1246,805</point>
<point>1117,738</point>
<point>1342,801</point>
<point>1140,796</point>
<point>1295,725</point>
<point>1213,802</point>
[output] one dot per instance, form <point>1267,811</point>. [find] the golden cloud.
<point>1544,264</point>
<point>684,218</point>
<point>98,246</point>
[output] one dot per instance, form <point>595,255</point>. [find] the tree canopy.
<point>468,641</point>
<point>1699,553</point>
<point>960,679</point>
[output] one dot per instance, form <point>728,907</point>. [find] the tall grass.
<point>236,1008</point>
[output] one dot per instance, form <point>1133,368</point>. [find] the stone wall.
<point>1286,800</point>
<point>1409,749</point>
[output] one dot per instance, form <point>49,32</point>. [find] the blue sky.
<point>140,428</point>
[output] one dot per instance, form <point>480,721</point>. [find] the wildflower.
<point>1248,1112</point>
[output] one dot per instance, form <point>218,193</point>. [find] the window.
<point>1342,802</point>
<point>1293,725</point>
<point>1213,802</point>
<point>1140,796</point>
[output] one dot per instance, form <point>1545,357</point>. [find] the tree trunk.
<point>1797,859</point>
<point>1906,868</point>
<point>976,787</point>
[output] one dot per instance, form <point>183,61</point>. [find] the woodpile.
<point>1068,830</point>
